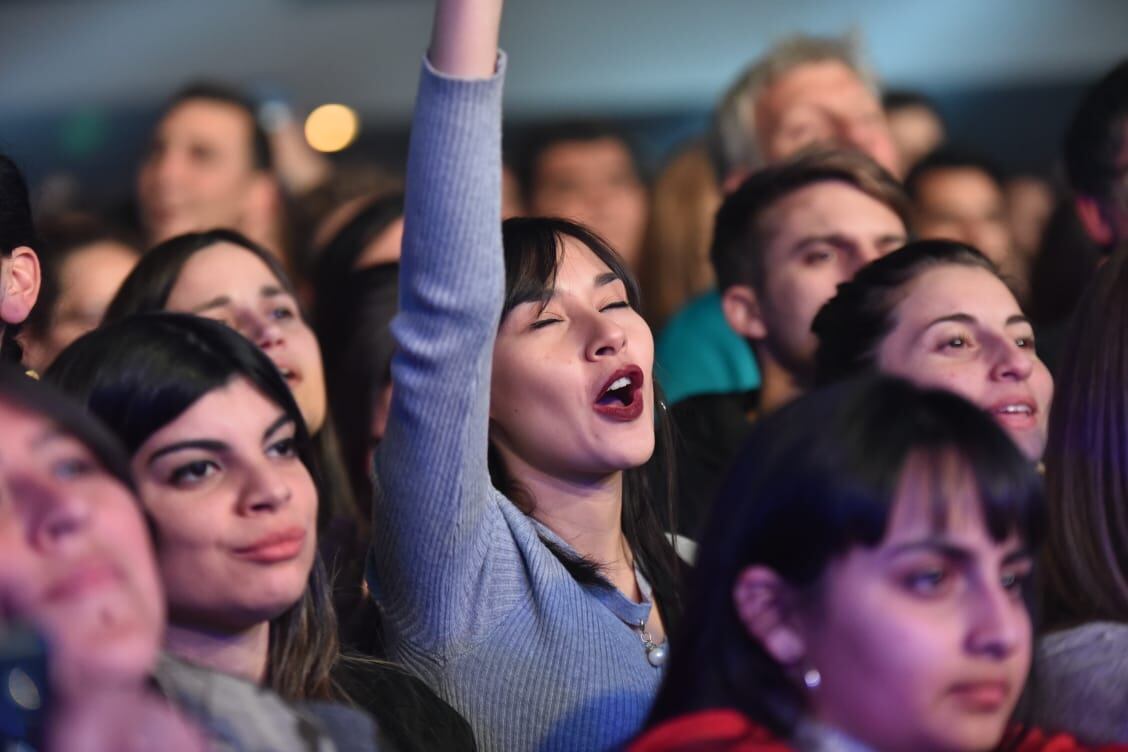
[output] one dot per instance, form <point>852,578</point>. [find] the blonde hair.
<point>676,263</point>
<point>732,140</point>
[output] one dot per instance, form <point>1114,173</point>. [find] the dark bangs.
<point>141,373</point>
<point>533,246</point>
<point>839,457</point>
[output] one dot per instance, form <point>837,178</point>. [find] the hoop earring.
<point>812,678</point>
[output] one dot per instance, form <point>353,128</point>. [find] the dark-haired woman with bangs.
<point>865,585</point>
<point>225,471</point>
<point>517,550</point>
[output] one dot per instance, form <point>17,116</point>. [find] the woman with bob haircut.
<point>220,274</point>
<point>77,567</point>
<point>225,472</point>
<point>1081,664</point>
<point>937,313</point>
<point>517,553</point>
<point>864,585</point>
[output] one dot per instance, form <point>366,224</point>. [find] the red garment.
<point>730,731</point>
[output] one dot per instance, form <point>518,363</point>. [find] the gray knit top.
<point>473,600</point>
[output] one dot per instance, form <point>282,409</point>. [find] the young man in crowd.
<point>587,172</point>
<point>784,240</point>
<point>802,92</point>
<point>1096,163</point>
<point>209,165</point>
<point>19,266</point>
<point>959,196</point>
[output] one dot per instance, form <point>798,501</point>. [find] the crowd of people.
<point>318,459</point>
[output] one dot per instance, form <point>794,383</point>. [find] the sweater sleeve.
<point>439,538</point>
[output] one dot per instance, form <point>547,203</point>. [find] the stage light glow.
<point>331,127</point>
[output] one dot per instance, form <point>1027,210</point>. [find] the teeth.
<point>1015,410</point>
<point>619,383</point>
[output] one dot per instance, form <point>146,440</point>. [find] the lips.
<point>1017,412</point>
<point>983,696</point>
<point>87,576</point>
<point>620,396</point>
<point>291,375</point>
<point>274,548</point>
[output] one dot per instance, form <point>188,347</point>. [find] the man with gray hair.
<point>803,91</point>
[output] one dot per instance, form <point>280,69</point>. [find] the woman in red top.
<point>864,585</point>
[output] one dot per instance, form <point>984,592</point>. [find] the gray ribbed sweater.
<point>473,599</point>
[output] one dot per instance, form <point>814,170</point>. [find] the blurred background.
<point>82,80</point>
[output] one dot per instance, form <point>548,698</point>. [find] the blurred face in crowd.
<point>960,328</point>
<point>572,391</point>
<point>200,173</point>
<point>816,237</point>
<point>823,103</point>
<point>923,641</point>
<point>88,279</point>
<point>916,131</point>
<point>596,184</point>
<point>230,284</point>
<point>234,509</point>
<point>1029,204</point>
<point>963,204</point>
<point>75,557</point>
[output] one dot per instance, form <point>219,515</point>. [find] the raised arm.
<point>435,524</point>
<point>464,38</point>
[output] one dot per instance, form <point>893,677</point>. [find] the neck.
<point>243,653</point>
<point>778,385</point>
<point>587,513</point>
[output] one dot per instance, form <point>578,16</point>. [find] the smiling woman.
<point>938,313</point>
<point>225,471</point>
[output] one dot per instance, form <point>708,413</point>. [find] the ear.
<point>765,606</point>
<point>1094,220</point>
<point>741,306</point>
<point>20,281</point>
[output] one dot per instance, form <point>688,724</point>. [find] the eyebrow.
<point>209,445</point>
<point>950,550</point>
<point>837,238</point>
<point>266,291</point>
<point>281,421</point>
<point>965,318</point>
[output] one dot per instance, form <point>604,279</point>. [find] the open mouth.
<point>621,395</point>
<point>1017,413</point>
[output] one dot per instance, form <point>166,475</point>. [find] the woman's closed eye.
<point>615,305</point>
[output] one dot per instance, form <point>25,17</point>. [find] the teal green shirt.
<point>698,353</point>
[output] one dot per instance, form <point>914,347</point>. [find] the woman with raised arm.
<point>517,555</point>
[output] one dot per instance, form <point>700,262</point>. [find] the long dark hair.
<point>817,478</point>
<point>1087,460</point>
<point>147,289</point>
<point>16,230</point>
<point>851,325</point>
<point>533,248</point>
<point>140,374</point>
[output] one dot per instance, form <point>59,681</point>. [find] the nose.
<point>58,515</point>
<point>1013,363</point>
<point>605,337</point>
<point>259,328</point>
<point>998,622</point>
<point>265,491</point>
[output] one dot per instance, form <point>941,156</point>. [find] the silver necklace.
<point>655,654</point>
